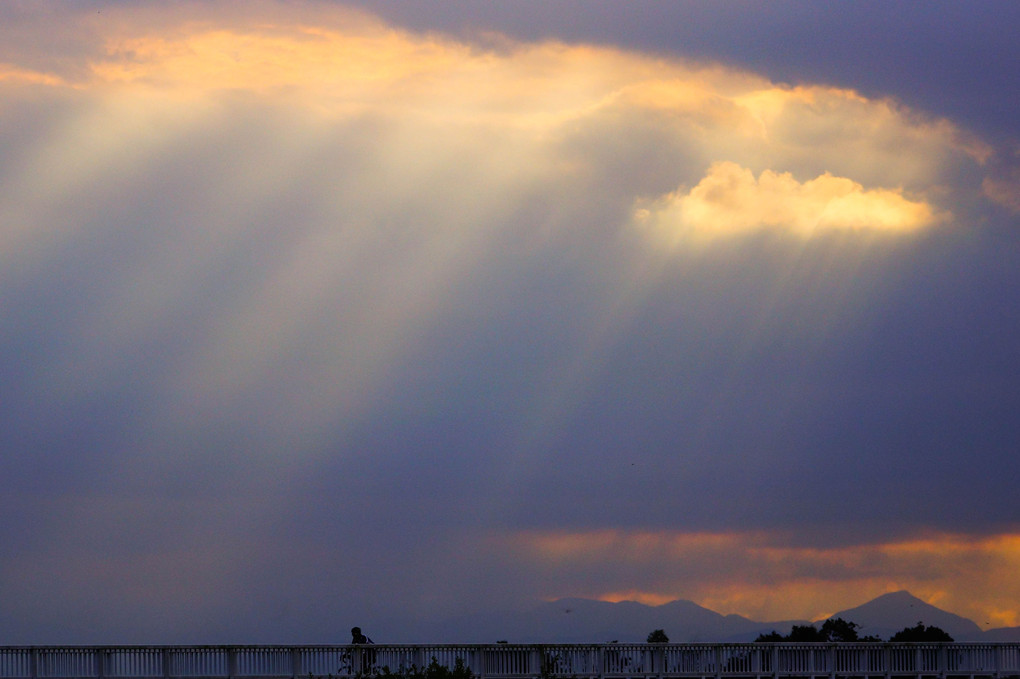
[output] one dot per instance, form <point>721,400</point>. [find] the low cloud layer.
<point>761,574</point>
<point>294,299</point>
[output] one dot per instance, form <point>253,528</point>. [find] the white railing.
<point>518,661</point>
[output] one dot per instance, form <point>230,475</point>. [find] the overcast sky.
<point>314,315</point>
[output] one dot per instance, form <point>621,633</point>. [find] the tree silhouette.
<point>805,633</point>
<point>921,633</point>
<point>770,637</point>
<point>838,629</point>
<point>833,629</point>
<point>657,637</point>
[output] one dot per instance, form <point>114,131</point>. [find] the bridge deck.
<point>519,661</point>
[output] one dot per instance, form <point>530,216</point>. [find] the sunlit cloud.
<point>738,125</point>
<point>764,577</point>
<point>10,74</point>
<point>846,117</point>
<point>731,202</point>
<point>328,58</point>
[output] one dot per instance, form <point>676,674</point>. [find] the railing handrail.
<point>679,660</point>
<point>529,644</point>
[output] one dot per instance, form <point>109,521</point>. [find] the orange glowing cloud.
<point>288,59</point>
<point>350,64</point>
<point>338,62</point>
<point>834,141</point>
<point>341,60</point>
<point>764,577</point>
<point>11,74</point>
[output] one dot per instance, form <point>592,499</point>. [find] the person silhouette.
<point>366,659</point>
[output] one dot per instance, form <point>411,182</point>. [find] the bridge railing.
<point>519,661</point>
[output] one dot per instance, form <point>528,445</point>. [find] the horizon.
<point>318,312</point>
<point>574,620</point>
<point>811,620</point>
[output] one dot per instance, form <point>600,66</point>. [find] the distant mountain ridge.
<point>890,613</point>
<point>590,621</point>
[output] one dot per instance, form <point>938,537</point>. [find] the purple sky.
<point>314,315</point>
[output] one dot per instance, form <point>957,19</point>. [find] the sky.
<point>317,314</point>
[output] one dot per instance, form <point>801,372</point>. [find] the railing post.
<point>527,661</point>
<point>535,661</point>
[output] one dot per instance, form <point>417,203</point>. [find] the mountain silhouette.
<point>890,613</point>
<point>589,621</point>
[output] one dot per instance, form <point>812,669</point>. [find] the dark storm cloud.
<point>945,58</point>
<point>734,404</point>
<point>298,340</point>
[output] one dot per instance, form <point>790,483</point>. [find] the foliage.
<point>921,633</point>
<point>772,636</point>
<point>838,629</point>
<point>833,629</point>
<point>434,670</point>
<point>805,633</point>
<point>551,666</point>
<point>657,637</point>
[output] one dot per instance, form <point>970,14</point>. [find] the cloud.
<point>729,202</point>
<point>309,281</point>
<point>332,58</point>
<point>764,577</point>
<point>13,75</point>
<point>1003,188</point>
